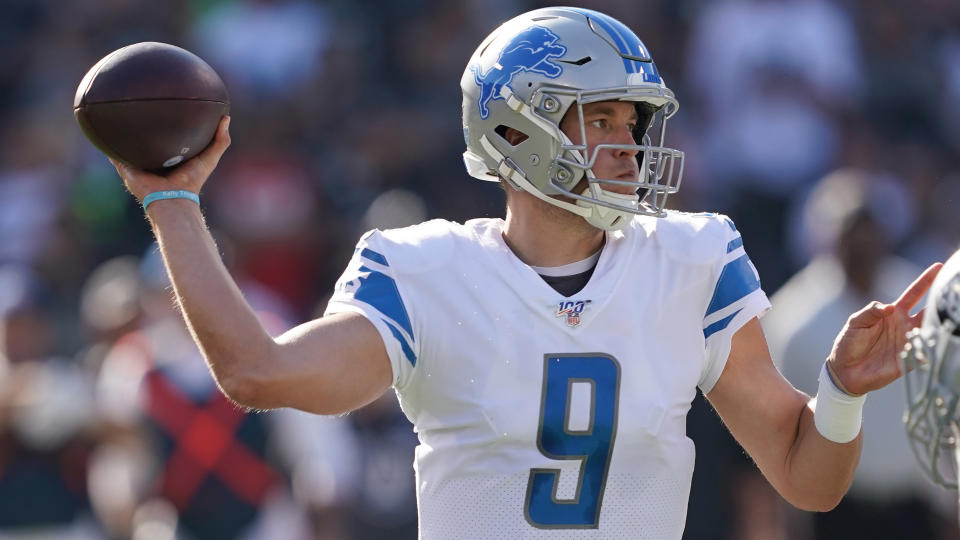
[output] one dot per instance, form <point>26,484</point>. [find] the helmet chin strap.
<point>605,218</point>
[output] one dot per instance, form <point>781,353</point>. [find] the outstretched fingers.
<point>916,319</point>
<point>918,288</point>
<point>870,315</point>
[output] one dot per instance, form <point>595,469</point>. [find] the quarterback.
<point>547,359</point>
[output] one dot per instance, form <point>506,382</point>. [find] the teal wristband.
<point>171,194</point>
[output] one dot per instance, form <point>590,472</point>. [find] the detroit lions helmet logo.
<point>530,50</point>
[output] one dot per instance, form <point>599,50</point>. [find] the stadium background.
<point>801,119</point>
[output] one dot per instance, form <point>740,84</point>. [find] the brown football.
<point>151,105</point>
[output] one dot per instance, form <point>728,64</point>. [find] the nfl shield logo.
<point>572,310</point>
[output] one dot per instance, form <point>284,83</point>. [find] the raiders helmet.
<point>931,368</point>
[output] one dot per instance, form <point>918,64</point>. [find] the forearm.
<point>776,427</point>
<point>818,472</point>
<point>224,326</point>
<point>775,424</point>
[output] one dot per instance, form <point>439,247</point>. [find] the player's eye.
<point>600,123</point>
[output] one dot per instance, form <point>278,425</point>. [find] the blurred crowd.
<point>828,130</point>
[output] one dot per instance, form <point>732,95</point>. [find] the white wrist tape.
<point>837,415</point>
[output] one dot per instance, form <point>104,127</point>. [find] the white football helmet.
<point>528,73</point>
<point>931,367</point>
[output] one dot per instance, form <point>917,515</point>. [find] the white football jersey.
<point>548,416</point>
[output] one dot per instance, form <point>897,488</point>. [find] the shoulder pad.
<point>695,238</point>
<point>416,248</point>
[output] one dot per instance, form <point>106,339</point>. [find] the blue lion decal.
<point>530,50</point>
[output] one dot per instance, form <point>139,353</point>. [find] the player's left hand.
<point>864,355</point>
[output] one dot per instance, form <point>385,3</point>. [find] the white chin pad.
<point>605,218</point>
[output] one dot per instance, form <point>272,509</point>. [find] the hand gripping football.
<point>151,105</point>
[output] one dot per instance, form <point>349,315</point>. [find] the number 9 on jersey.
<point>556,439</point>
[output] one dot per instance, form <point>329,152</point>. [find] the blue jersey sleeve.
<point>369,286</point>
<point>737,298</point>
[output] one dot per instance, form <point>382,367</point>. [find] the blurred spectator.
<point>854,264</point>
<point>772,77</point>
<point>267,207</point>
<point>769,74</point>
<point>819,219</point>
<point>30,193</point>
<point>385,502</point>
<point>47,425</point>
<point>183,459</point>
<point>813,39</point>
<point>264,49</point>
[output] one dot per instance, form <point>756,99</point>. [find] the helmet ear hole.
<point>513,136</point>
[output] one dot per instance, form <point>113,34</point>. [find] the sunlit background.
<point>828,130</point>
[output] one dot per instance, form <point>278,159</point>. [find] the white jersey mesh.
<point>484,507</point>
<point>482,350</point>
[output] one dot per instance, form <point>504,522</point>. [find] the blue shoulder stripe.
<point>736,281</point>
<point>719,325</point>
<point>407,351</point>
<point>374,256</point>
<point>734,244</point>
<point>380,291</point>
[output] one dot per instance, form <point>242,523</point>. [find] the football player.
<point>548,359</point>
